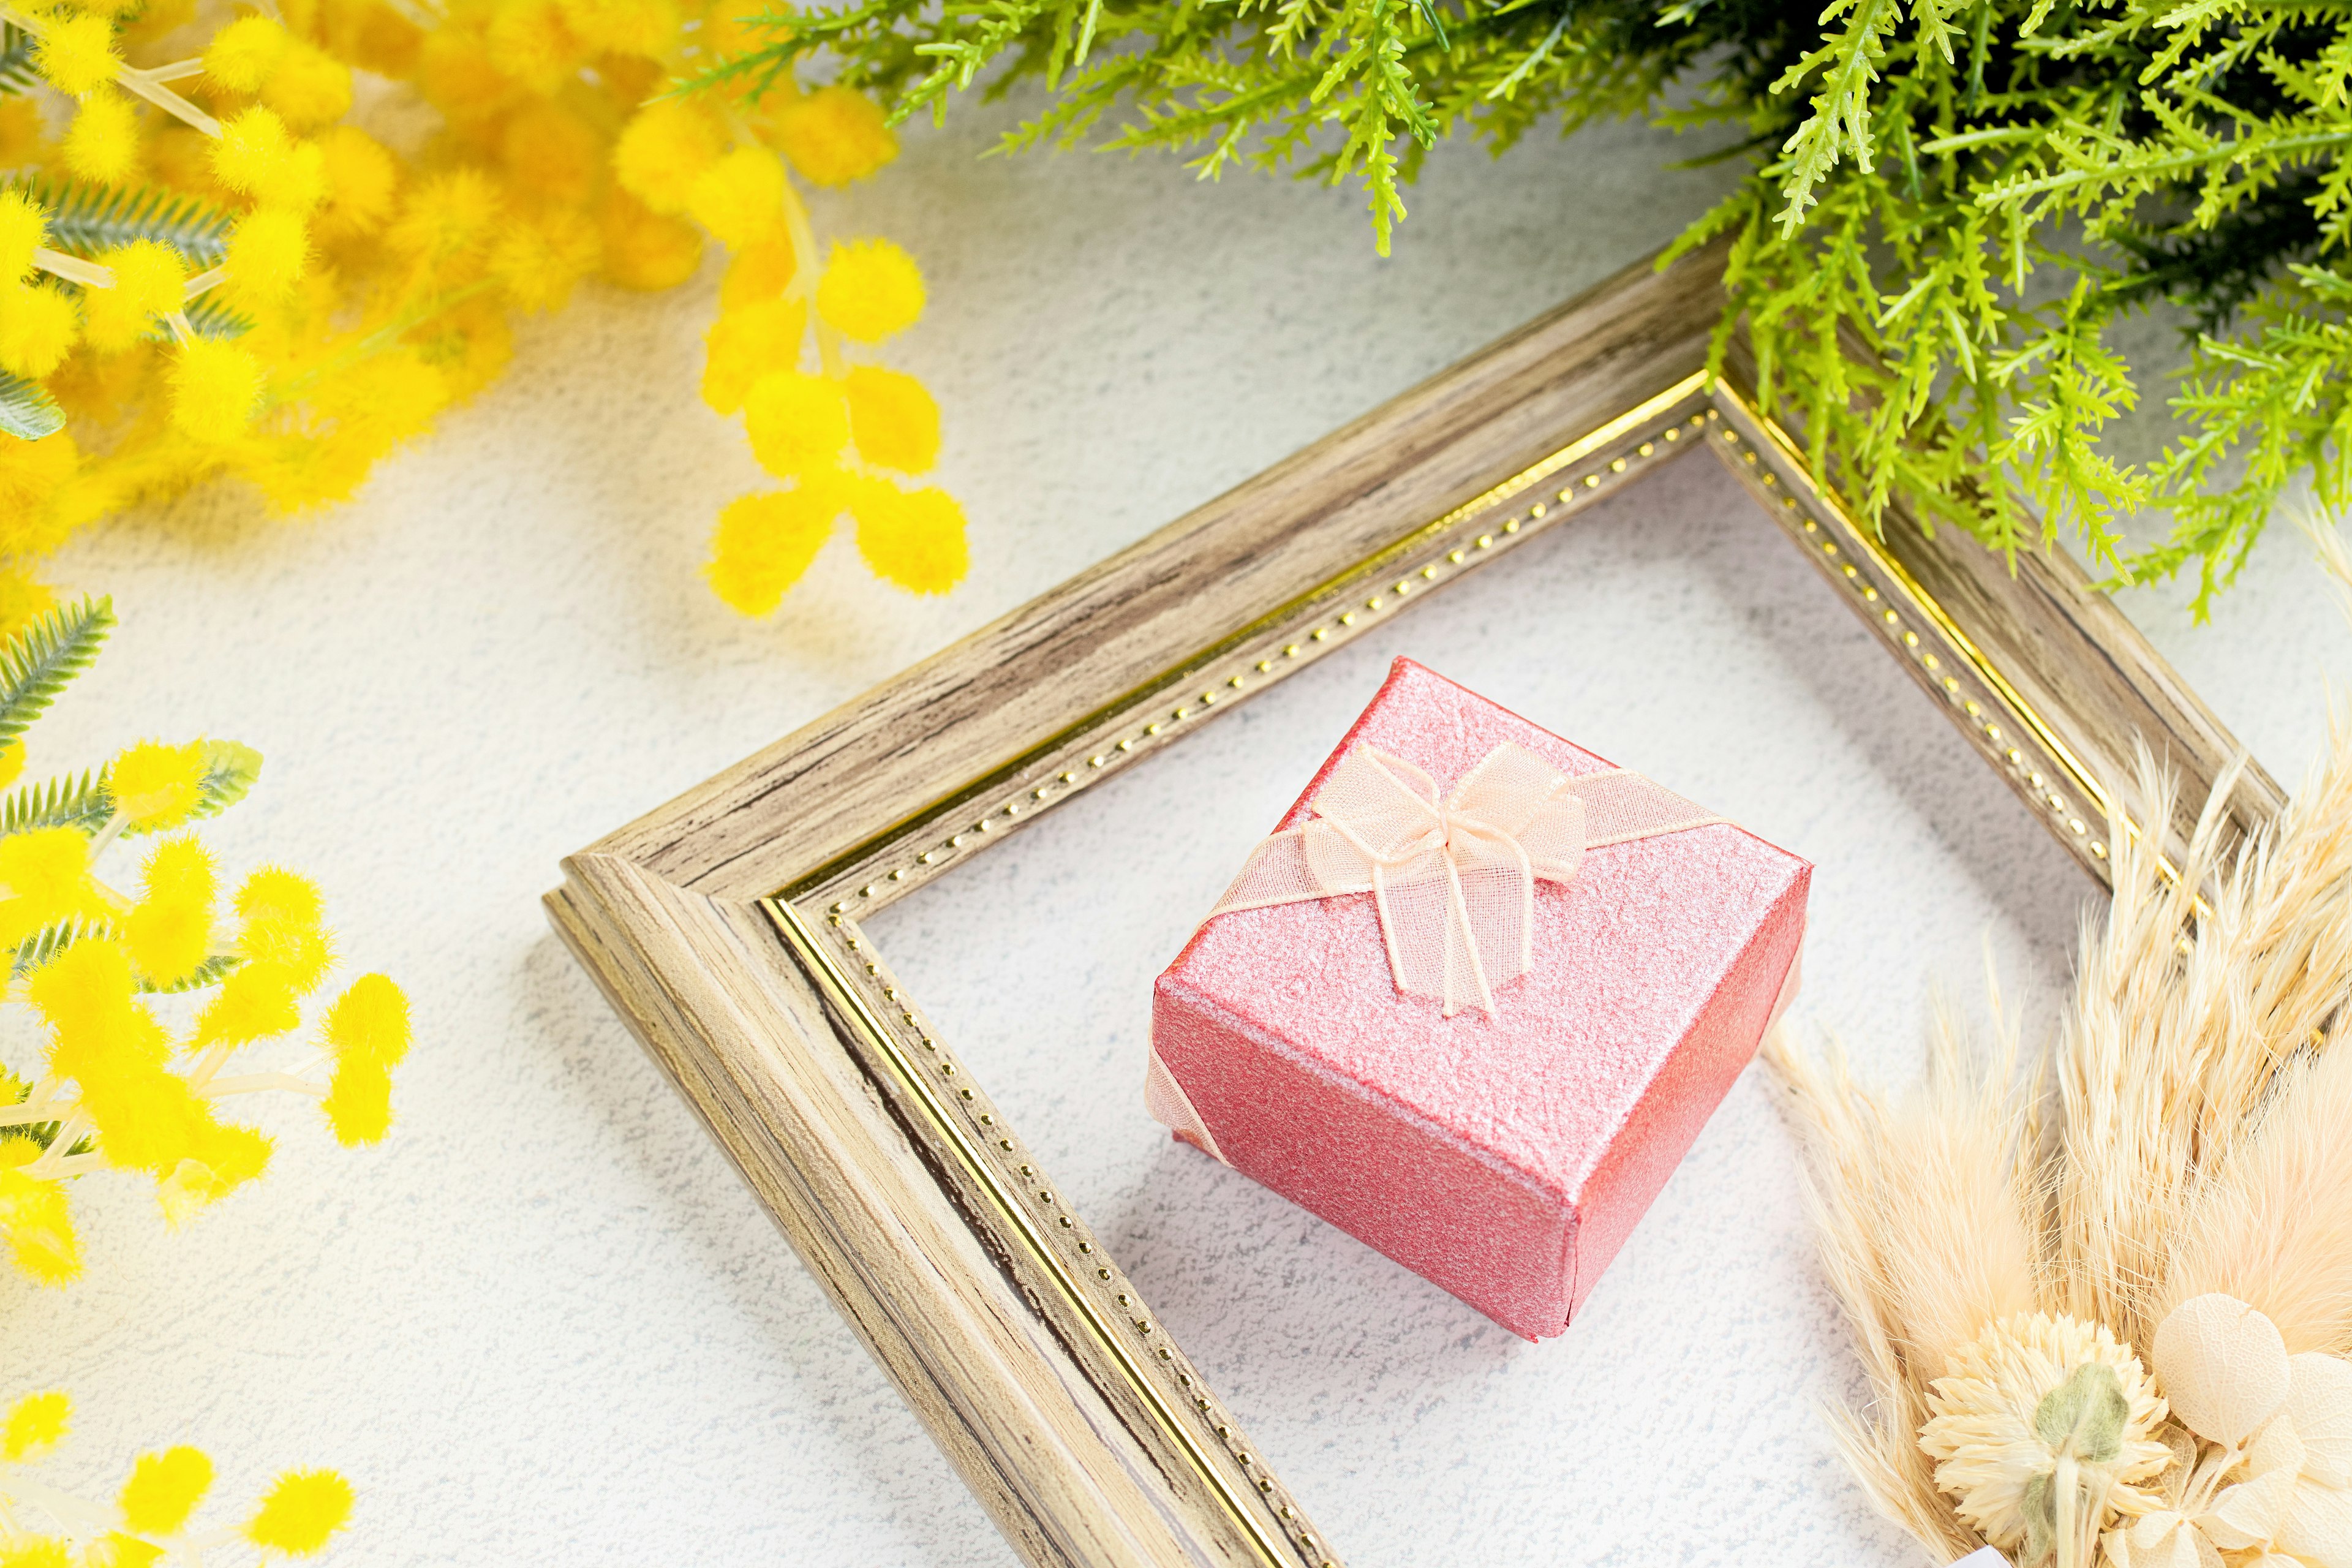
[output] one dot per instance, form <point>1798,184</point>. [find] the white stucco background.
<point>545,1322</point>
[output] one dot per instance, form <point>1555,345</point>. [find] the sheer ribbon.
<point>1455,878</point>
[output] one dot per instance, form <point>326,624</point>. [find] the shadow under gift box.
<point>1504,1158</point>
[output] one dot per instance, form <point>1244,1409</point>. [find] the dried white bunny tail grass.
<point>2273,1223</point>
<point>1923,1240</point>
<point>2123,1151</point>
<point>2182,1021</point>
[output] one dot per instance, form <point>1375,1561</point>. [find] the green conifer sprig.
<point>1949,207</point>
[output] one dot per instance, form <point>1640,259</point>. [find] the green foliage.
<point>1331,88</point>
<point>67,801</point>
<point>87,219</point>
<point>208,318</point>
<point>17,72</point>
<point>26,410</point>
<point>44,656</point>
<point>230,770</point>
<point>1950,203</point>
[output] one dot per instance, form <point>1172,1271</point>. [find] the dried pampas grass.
<point>2189,1134</point>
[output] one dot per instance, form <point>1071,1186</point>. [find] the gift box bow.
<point>1454,878</point>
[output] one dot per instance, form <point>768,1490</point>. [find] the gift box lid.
<point>1627,959</point>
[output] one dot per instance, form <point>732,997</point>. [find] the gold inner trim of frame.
<point>1150,692</point>
<point>846,995</point>
<point>861,1011</point>
<point>1986,671</point>
<point>1867,540</point>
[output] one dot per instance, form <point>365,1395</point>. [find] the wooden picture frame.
<point>725,926</point>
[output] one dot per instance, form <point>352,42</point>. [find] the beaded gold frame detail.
<point>725,926</point>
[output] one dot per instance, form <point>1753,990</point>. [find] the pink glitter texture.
<point>1504,1159</point>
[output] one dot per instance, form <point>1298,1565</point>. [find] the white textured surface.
<point>544,1321</point>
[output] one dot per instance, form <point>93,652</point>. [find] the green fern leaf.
<point>41,659</point>
<point>67,802</point>
<point>87,219</point>
<point>211,972</point>
<point>208,318</point>
<point>230,770</point>
<point>26,410</point>
<point>17,72</point>
<point>42,946</point>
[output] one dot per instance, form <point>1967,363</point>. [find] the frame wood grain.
<point>724,927</point>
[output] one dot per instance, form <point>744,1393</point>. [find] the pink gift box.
<point>1504,1157</point>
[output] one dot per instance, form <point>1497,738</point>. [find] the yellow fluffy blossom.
<point>36,1424</point>
<point>268,255</point>
<point>33,1219</point>
<point>46,873</point>
<point>765,543</point>
<point>746,344</point>
<point>302,1510</point>
<point>761,270</point>
<point>448,216</point>
<point>155,1512</point>
<point>870,291</point>
<point>215,389</point>
<point>835,135</point>
<point>102,144</point>
<point>274,895</point>
<point>532,45</point>
<point>32,471</point>
<point>282,930</point>
<point>257,1002</point>
<point>169,933</point>
<point>644,248</point>
<point>117,1550</point>
<point>149,280</point>
<point>21,131</point>
<point>22,226</point>
<point>23,600</point>
<point>242,55</point>
<point>154,786</point>
<point>367,1029</point>
<point>165,1488</point>
<point>255,155</point>
<point>552,153</point>
<point>739,198</point>
<point>76,54</point>
<point>362,178</point>
<point>537,264</point>
<point>665,147</point>
<point>648,28</point>
<point>37,329</point>
<point>364,292</point>
<point>892,419</point>
<point>309,88</point>
<point>796,422</point>
<point>370,1021</point>
<point>912,537</point>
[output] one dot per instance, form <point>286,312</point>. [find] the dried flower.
<point>2176,1216</point>
<point>2246,1408</point>
<point>2043,1430</point>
